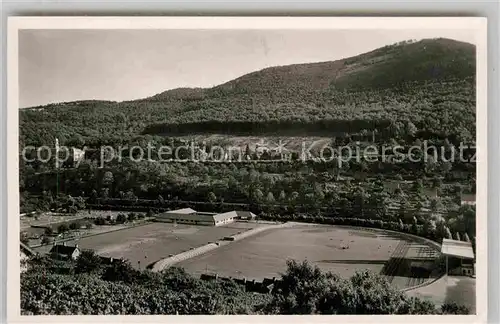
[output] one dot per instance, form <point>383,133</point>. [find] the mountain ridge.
<point>341,68</point>
<point>337,69</point>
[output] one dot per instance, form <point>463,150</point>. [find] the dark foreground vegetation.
<point>87,286</point>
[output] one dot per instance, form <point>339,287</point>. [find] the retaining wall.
<point>168,262</point>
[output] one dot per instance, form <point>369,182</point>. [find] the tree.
<point>437,182</point>
<point>299,289</point>
<point>258,195</point>
<point>63,228</point>
<point>121,218</point>
<point>248,153</point>
<point>414,225</point>
<point>80,203</point>
<point>107,178</point>
<point>100,221</point>
<point>318,193</point>
<point>282,196</point>
<point>432,228</point>
<point>418,186</point>
<point>446,167</point>
<point>304,289</point>
<point>212,197</point>
<point>466,219</point>
<point>105,193</point>
<point>453,308</point>
<point>87,262</point>
<point>405,211</point>
<point>435,204</point>
<point>120,271</point>
<point>447,233</point>
<point>130,195</point>
<point>270,198</point>
<point>410,129</point>
<point>93,196</point>
<point>74,226</point>
<point>132,217</point>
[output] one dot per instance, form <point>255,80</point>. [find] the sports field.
<point>145,244</point>
<point>336,249</point>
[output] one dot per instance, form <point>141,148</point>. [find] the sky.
<point>68,65</point>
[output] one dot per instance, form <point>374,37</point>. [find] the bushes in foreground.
<point>120,289</point>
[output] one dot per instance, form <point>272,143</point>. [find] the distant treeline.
<point>383,129</point>
<point>271,127</point>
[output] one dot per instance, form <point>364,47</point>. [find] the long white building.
<point>190,216</point>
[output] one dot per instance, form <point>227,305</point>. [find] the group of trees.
<point>305,289</point>
<point>310,190</point>
<point>92,287</point>
<point>121,218</point>
<point>45,201</point>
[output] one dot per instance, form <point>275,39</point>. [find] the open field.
<point>154,241</point>
<point>340,250</point>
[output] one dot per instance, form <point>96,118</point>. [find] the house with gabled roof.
<point>64,252</point>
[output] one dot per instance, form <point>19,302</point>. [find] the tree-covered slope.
<point>430,83</point>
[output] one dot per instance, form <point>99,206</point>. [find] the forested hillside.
<point>430,84</point>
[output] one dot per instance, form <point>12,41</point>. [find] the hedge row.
<point>414,229</point>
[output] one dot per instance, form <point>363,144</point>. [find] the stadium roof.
<point>457,249</point>
<point>182,211</point>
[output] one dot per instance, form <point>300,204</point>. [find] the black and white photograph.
<point>201,167</point>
